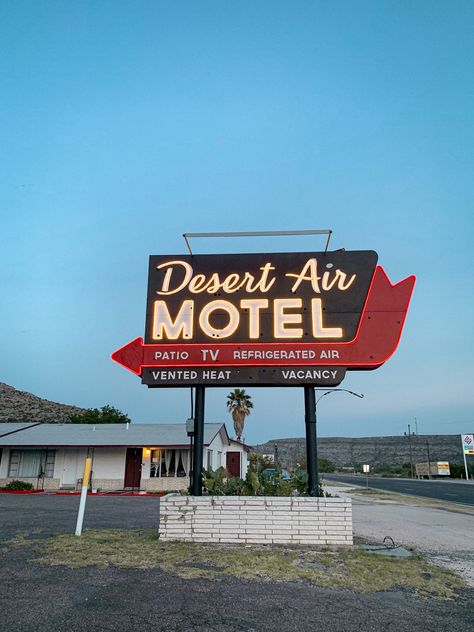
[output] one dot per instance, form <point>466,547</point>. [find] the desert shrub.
<point>219,483</point>
<point>458,470</point>
<point>260,461</point>
<point>325,465</point>
<point>18,486</point>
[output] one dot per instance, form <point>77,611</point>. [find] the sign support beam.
<point>261,233</point>
<point>311,445</point>
<point>196,488</point>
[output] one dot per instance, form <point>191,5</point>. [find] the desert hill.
<point>21,406</point>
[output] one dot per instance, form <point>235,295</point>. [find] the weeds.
<point>357,571</point>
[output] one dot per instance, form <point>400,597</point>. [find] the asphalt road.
<point>39,598</point>
<point>451,491</point>
<point>58,514</point>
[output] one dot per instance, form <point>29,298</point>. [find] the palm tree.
<point>239,404</point>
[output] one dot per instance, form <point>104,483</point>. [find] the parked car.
<point>271,472</point>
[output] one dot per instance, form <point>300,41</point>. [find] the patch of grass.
<point>368,491</point>
<point>15,543</point>
<point>386,496</point>
<point>346,569</point>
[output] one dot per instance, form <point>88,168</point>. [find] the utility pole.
<point>429,460</point>
<point>409,435</point>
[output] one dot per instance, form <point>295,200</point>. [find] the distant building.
<point>153,457</point>
<point>432,470</point>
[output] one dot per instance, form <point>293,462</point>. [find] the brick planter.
<point>257,520</point>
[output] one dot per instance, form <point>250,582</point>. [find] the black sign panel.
<point>266,319</point>
<point>272,297</point>
<point>159,377</point>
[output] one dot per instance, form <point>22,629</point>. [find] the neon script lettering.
<point>179,275</point>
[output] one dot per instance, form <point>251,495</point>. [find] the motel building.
<point>147,457</point>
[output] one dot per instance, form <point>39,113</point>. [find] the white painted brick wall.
<point>251,520</point>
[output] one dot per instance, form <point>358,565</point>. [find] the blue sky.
<point>125,124</point>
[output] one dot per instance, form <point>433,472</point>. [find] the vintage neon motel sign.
<point>266,319</point>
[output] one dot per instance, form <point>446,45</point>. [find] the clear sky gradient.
<point>126,123</point>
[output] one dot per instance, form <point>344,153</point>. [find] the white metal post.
<point>366,469</point>
<point>464,455</point>
<point>82,503</point>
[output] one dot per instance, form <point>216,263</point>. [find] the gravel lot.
<point>445,536</point>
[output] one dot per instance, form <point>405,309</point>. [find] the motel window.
<point>155,459</point>
<point>31,463</point>
<point>209,459</point>
<point>169,463</point>
<point>219,459</point>
<point>49,460</point>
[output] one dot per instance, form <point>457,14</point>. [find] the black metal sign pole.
<point>198,441</point>
<point>191,449</point>
<point>311,447</point>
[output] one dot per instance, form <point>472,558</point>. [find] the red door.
<point>133,467</point>
<point>232,463</point>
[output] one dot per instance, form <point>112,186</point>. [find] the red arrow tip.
<point>388,296</point>
<point>130,356</point>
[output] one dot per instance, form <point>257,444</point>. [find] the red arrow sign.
<point>376,340</point>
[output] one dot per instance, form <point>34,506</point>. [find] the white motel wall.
<point>159,457</point>
<point>34,456</point>
<point>257,520</point>
<point>108,470</point>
